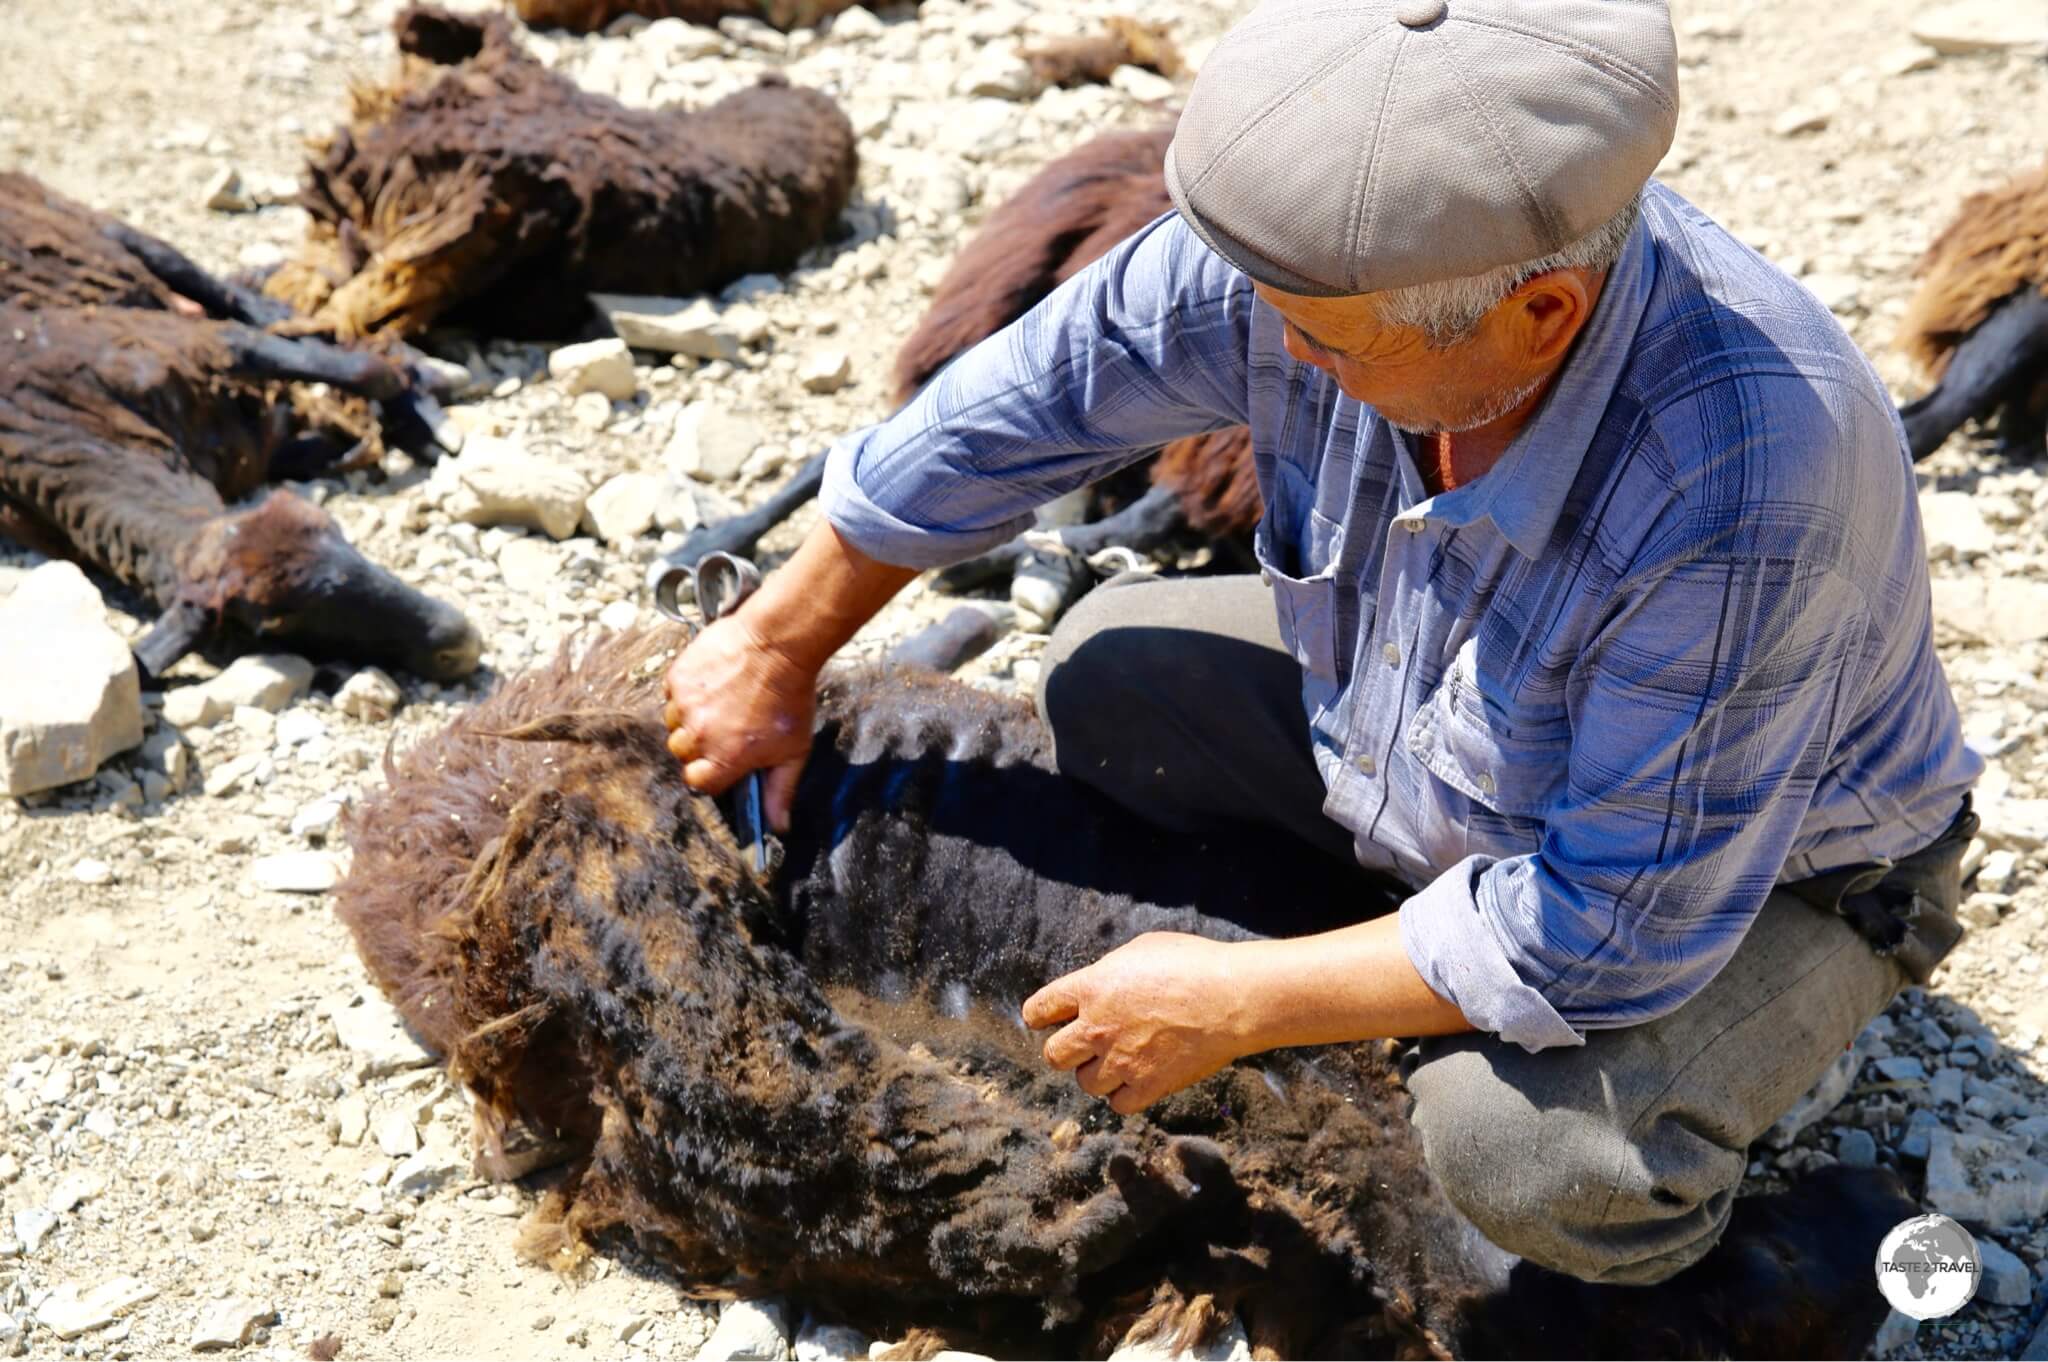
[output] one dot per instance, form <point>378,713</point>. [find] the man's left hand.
<point>1154,1015</point>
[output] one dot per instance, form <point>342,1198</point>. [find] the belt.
<point>1905,909</point>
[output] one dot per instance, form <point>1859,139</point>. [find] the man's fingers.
<point>671,716</point>
<point>1093,1081</point>
<point>682,745</point>
<point>778,793</point>
<point>1051,1005</point>
<point>1067,1048</point>
<point>1129,1100</point>
<point>709,777</point>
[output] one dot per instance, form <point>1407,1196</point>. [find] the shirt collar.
<point>1524,493</point>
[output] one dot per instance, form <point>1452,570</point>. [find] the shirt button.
<point>1365,764</point>
<point>1265,577</point>
<point>1392,654</point>
<point>1413,526</point>
<point>1485,782</point>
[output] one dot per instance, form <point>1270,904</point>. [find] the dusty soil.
<point>176,1105</point>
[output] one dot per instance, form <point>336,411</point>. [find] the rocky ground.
<point>212,1134</point>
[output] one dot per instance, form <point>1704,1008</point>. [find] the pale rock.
<point>74,1190</point>
<point>265,681</point>
<point>1228,1344</point>
<point>165,750</point>
<point>748,322</point>
<point>2018,823</point>
<point>10,1169</point>
<point>370,696</point>
<point>1984,1180</point>
<point>1907,58</point>
<point>2004,1279</point>
<point>623,509</point>
<point>1895,1335</point>
<point>299,726</point>
<point>230,1323</point>
<point>1712,26</point>
<point>748,1331</point>
<point>32,1224</point>
<point>1982,26</point>
<point>1979,911</point>
<point>92,872</point>
<point>1946,1087</point>
<point>259,725</point>
<point>102,1122</point>
<point>1999,872</point>
<point>751,287</point>
<point>495,482</point>
<point>228,777</point>
<point>56,1086</point>
<point>603,366</point>
<point>1840,294</point>
<point>194,707</point>
<point>296,872</point>
<point>825,371</point>
<point>396,1135</point>
<point>432,1167</point>
<point>75,698</point>
<point>669,41</point>
<point>224,192</point>
<point>1954,525</point>
<point>592,411</point>
<point>260,256</point>
<point>351,1120</point>
<point>816,1342</point>
<point>2002,611</point>
<point>1856,1148</point>
<point>69,1313</point>
<point>1146,87</point>
<point>710,443</point>
<point>675,511</point>
<point>998,73</point>
<point>529,566</point>
<point>1825,1095</point>
<point>697,327</point>
<point>854,25</point>
<point>372,1030</point>
<point>619,616</point>
<point>1900,1069</point>
<point>314,821</point>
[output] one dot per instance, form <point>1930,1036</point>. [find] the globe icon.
<point>1927,1267</point>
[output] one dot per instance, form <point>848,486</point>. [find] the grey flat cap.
<point>1333,147</point>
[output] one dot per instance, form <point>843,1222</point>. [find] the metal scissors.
<point>719,582</point>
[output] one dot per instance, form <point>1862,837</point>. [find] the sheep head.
<point>281,573</point>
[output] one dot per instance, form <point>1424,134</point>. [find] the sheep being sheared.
<point>588,16</point>
<point>124,433</point>
<point>483,187</point>
<point>1979,323</point>
<point>1065,217</point>
<point>55,252</point>
<point>820,1084</point>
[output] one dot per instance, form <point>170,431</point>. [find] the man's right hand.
<point>736,705</point>
<point>742,696</point>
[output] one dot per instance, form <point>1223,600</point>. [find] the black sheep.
<point>819,1082</point>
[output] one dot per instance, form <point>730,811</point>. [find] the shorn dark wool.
<point>819,1084</point>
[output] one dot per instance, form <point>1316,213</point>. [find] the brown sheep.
<point>125,431</point>
<point>482,186</point>
<point>587,16</point>
<point>1093,59</point>
<point>1979,323</point>
<point>1066,216</point>
<point>818,1084</point>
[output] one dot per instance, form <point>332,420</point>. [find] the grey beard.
<point>1484,414</point>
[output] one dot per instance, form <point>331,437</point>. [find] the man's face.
<point>1429,391</point>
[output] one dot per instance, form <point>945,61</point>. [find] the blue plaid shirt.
<point>1673,648</point>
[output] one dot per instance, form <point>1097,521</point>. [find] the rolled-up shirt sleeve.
<point>1703,717</point>
<point>1144,346</point>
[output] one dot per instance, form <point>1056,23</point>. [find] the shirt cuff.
<point>887,538</point>
<point>1460,958</point>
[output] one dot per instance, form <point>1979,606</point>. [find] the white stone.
<point>1999,871</point>
<point>857,24</point>
<point>92,871</point>
<point>529,566</point>
<point>1147,87</point>
<point>265,681</point>
<point>998,73</point>
<point>1982,26</point>
<point>229,1323</point>
<point>298,726</point>
<point>68,1312</point>
<point>602,366</point>
<point>314,821</point>
<point>2005,1279</point>
<point>1907,58</point>
<point>351,1120</point>
<point>74,1190</point>
<point>619,615</point>
<point>825,371</point>
<point>710,443</point>
<point>370,695</point>
<point>674,40</point>
<point>32,1224</point>
<point>495,482</point>
<point>1841,294</point>
<point>623,509</point>
<point>224,192</point>
<point>296,872</point>
<point>2019,823</point>
<point>697,327</point>
<point>592,411</point>
<point>1984,1180</point>
<point>260,256</point>
<point>817,1342</point>
<point>372,1030</point>
<point>1954,525</point>
<point>396,1135</point>
<point>1987,608</point>
<point>748,1331</point>
<point>72,700</point>
<point>431,1168</point>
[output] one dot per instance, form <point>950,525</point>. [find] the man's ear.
<point>1549,312</point>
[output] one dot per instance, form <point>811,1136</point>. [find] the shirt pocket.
<point>1460,742</point>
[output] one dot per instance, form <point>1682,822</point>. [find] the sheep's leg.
<point>1152,520</point>
<point>739,534</point>
<point>258,354</point>
<point>311,456</point>
<point>220,299</point>
<point>1989,366</point>
<point>965,634</point>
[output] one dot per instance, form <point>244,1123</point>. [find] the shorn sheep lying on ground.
<point>818,1083</point>
<point>129,421</point>
<point>587,16</point>
<point>1065,217</point>
<point>483,187</point>
<point>1979,323</point>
